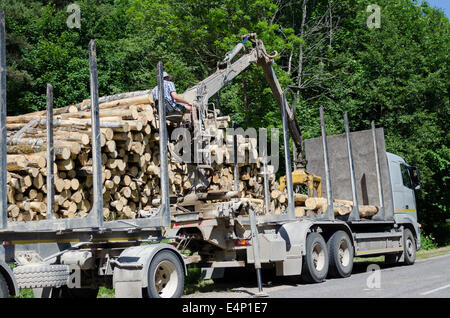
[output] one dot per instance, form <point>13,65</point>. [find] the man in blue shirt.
<point>171,98</point>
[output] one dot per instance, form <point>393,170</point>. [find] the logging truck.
<point>140,241</point>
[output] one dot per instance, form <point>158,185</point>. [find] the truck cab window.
<point>415,178</point>
<point>405,176</point>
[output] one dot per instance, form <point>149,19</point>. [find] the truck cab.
<point>404,180</point>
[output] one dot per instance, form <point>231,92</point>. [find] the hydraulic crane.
<point>227,70</point>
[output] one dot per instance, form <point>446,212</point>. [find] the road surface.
<point>426,278</point>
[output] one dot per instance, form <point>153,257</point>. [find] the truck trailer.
<point>149,256</point>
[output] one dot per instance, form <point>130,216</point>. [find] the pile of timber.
<point>313,206</point>
<point>130,161</point>
<point>130,164</point>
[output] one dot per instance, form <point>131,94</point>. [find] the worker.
<point>172,98</point>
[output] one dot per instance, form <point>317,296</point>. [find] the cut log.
<point>300,199</point>
<point>300,211</point>
<point>345,202</point>
<point>16,162</point>
<point>65,165</point>
<point>341,209</point>
<point>316,204</point>
<point>367,210</point>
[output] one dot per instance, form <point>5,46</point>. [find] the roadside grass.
<point>195,284</point>
<point>421,254</point>
<point>104,292</point>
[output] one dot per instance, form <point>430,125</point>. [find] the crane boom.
<point>227,71</point>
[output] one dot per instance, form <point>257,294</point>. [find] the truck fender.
<point>8,274</point>
<point>294,233</point>
<point>139,259</point>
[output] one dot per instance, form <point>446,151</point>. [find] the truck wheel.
<point>340,251</point>
<point>41,275</point>
<point>165,276</point>
<point>4,290</point>
<point>315,262</point>
<point>409,247</point>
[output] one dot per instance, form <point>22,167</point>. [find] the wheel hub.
<point>165,279</point>
<point>344,253</point>
<point>318,257</point>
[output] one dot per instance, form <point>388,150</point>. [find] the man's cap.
<point>166,75</point>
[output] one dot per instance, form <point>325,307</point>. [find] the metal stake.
<point>354,215</point>
<point>294,147</point>
<point>263,146</point>
<point>255,244</point>
<point>3,160</point>
<point>50,155</point>
<point>96,146</point>
<point>235,159</point>
<point>287,156</point>
<point>329,214</point>
<point>165,200</point>
<point>381,215</point>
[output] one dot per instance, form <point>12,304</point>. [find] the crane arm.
<point>227,71</point>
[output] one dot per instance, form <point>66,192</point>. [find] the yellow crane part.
<point>300,176</point>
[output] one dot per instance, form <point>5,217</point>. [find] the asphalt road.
<point>426,278</point>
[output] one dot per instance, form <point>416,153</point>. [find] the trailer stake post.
<point>381,215</point>
<point>329,213</point>
<point>96,147</point>
<point>257,258</point>
<point>235,158</point>
<point>50,155</point>
<point>263,147</point>
<point>354,215</point>
<point>3,160</point>
<point>165,200</point>
<point>287,156</point>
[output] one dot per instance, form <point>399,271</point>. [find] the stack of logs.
<point>130,164</point>
<point>128,139</point>
<point>313,206</point>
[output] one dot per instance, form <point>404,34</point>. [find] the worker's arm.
<point>180,99</point>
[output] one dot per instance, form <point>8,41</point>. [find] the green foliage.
<point>428,242</point>
<point>396,75</point>
<point>26,293</point>
<point>194,276</point>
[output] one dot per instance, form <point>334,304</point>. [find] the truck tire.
<point>165,276</point>
<point>409,247</point>
<point>340,251</point>
<point>4,290</point>
<point>315,262</point>
<point>41,275</point>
